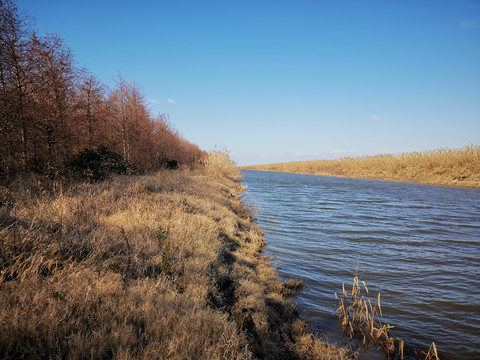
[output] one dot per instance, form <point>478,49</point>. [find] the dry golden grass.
<point>219,162</point>
<point>453,167</point>
<point>165,266</point>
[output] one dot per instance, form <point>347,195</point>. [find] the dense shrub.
<point>97,164</point>
<point>165,163</point>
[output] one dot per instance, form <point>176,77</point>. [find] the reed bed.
<point>453,167</point>
<point>360,317</point>
<point>161,266</point>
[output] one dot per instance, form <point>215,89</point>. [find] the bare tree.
<point>118,102</point>
<point>90,112</point>
<point>15,82</point>
<point>51,108</point>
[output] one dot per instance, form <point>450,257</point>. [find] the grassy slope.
<point>453,167</point>
<point>163,266</point>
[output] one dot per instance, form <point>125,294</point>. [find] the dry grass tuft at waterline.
<point>360,317</point>
<point>163,266</point>
<point>452,167</point>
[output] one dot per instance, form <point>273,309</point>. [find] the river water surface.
<point>418,245</point>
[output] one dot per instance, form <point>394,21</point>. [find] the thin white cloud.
<point>470,24</point>
<point>171,101</point>
<point>375,117</point>
<point>337,153</point>
<point>297,154</point>
<point>154,101</point>
<point>307,156</point>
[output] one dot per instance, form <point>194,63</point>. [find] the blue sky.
<point>275,80</point>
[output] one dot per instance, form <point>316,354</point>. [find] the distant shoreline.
<point>458,184</point>
<point>441,167</point>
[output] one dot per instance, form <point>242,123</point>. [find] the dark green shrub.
<point>166,259</point>
<point>165,163</point>
<point>97,164</point>
<point>160,233</point>
<point>36,165</point>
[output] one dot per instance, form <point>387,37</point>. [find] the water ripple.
<point>417,245</point>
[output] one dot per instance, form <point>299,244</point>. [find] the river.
<point>418,245</point>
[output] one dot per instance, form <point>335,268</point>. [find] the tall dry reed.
<point>360,317</point>
<point>219,162</point>
<point>455,167</point>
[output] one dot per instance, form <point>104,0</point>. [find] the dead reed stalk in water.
<point>432,353</point>
<point>360,316</point>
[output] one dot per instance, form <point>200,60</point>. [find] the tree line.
<point>51,109</point>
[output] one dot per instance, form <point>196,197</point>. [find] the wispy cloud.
<point>307,156</point>
<point>337,153</point>
<point>154,101</point>
<point>470,24</point>
<point>375,117</point>
<point>171,101</point>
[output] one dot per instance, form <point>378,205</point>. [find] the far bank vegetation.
<point>455,167</point>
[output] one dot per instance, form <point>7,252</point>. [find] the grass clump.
<point>160,233</point>
<point>219,162</point>
<point>166,258</point>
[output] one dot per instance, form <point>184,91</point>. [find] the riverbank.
<point>159,266</point>
<point>446,167</point>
